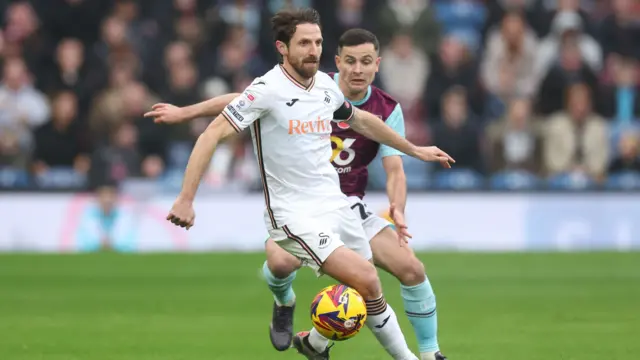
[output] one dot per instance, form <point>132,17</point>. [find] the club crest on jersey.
<point>327,97</point>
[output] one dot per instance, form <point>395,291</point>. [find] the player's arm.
<point>392,163</point>
<point>201,155</point>
<point>171,114</point>
<point>374,128</point>
<point>236,116</point>
<point>211,107</point>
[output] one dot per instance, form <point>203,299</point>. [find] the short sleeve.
<point>343,110</point>
<point>249,106</point>
<point>396,122</point>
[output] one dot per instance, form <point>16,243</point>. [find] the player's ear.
<point>282,47</point>
<point>378,63</point>
<point>338,61</point>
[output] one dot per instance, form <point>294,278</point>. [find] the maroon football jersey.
<point>352,152</point>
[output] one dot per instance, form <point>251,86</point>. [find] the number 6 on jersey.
<point>343,146</point>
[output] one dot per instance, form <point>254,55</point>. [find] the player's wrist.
<point>187,113</point>
<point>413,150</point>
<point>185,197</point>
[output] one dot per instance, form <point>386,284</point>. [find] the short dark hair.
<point>284,22</point>
<point>355,37</point>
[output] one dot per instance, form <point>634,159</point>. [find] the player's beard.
<point>306,67</point>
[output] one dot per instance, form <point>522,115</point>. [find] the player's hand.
<point>434,154</point>
<point>166,114</point>
<point>401,225</point>
<point>182,214</point>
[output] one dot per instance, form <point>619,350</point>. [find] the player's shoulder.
<point>383,101</point>
<point>271,79</point>
<point>382,96</point>
<point>325,79</point>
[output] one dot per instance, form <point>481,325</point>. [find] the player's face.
<point>304,50</point>
<point>358,66</point>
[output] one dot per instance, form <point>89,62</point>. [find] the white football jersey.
<point>291,130</point>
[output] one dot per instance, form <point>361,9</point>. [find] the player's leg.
<point>361,275</point>
<point>385,325</point>
<point>279,271</point>
<point>381,319</point>
<point>417,294</point>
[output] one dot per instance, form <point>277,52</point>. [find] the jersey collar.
<point>336,78</point>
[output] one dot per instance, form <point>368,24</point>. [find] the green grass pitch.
<point>214,306</point>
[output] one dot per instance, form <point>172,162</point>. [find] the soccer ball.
<point>338,312</point>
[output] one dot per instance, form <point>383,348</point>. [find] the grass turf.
<point>215,306</point>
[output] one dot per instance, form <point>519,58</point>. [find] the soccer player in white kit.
<point>290,110</point>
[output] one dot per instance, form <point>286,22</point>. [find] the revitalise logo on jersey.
<point>301,127</point>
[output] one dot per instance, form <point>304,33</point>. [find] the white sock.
<point>429,355</point>
<point>317,341</point>
<point>382,321</point>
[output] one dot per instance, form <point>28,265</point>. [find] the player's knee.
<point>281,263</point>
<point>369,283</point>
<point>410,272</point>
<point>282,266</point>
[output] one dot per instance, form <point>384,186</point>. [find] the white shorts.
<point>371,223</point>
<point>313,239</point>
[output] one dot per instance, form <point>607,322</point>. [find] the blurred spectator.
<point>114,47</point>
<point>106,108</point>
<point>71,72</point>
<point>568,27</point>
<point>620,31</point>
<point>22,108</point>
<point>11,153</point>
<point>554,8</point>
<point>117,160</point>
<point>235,56</point>
<point>628,155</point>
<point>577,139</point>
<point>569,69</point>
<point>152,138</point>
<point>621,100</point>
<point>127,103</point>
<point>531,10</point>
<point>404,70</point>
<point>453,65</point>
<point>240,13</point>
<point>73,18</point>
<point>508,65</point>
<point>139,32</point>
<point>515,141</point>
<point>177,54</point>
<point>463,18</point>
<point>59,142</point>
<point>417,18</point>
<point>457,133</point>
<point>347,14</point>
<point>24,37</point>
<point>182,90</point>
<point>106,225</point>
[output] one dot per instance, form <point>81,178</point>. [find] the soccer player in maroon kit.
<point>357,61</point>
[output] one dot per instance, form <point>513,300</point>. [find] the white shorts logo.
<point>324,241</point>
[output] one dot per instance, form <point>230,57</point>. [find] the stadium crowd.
<point>519,92</point>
